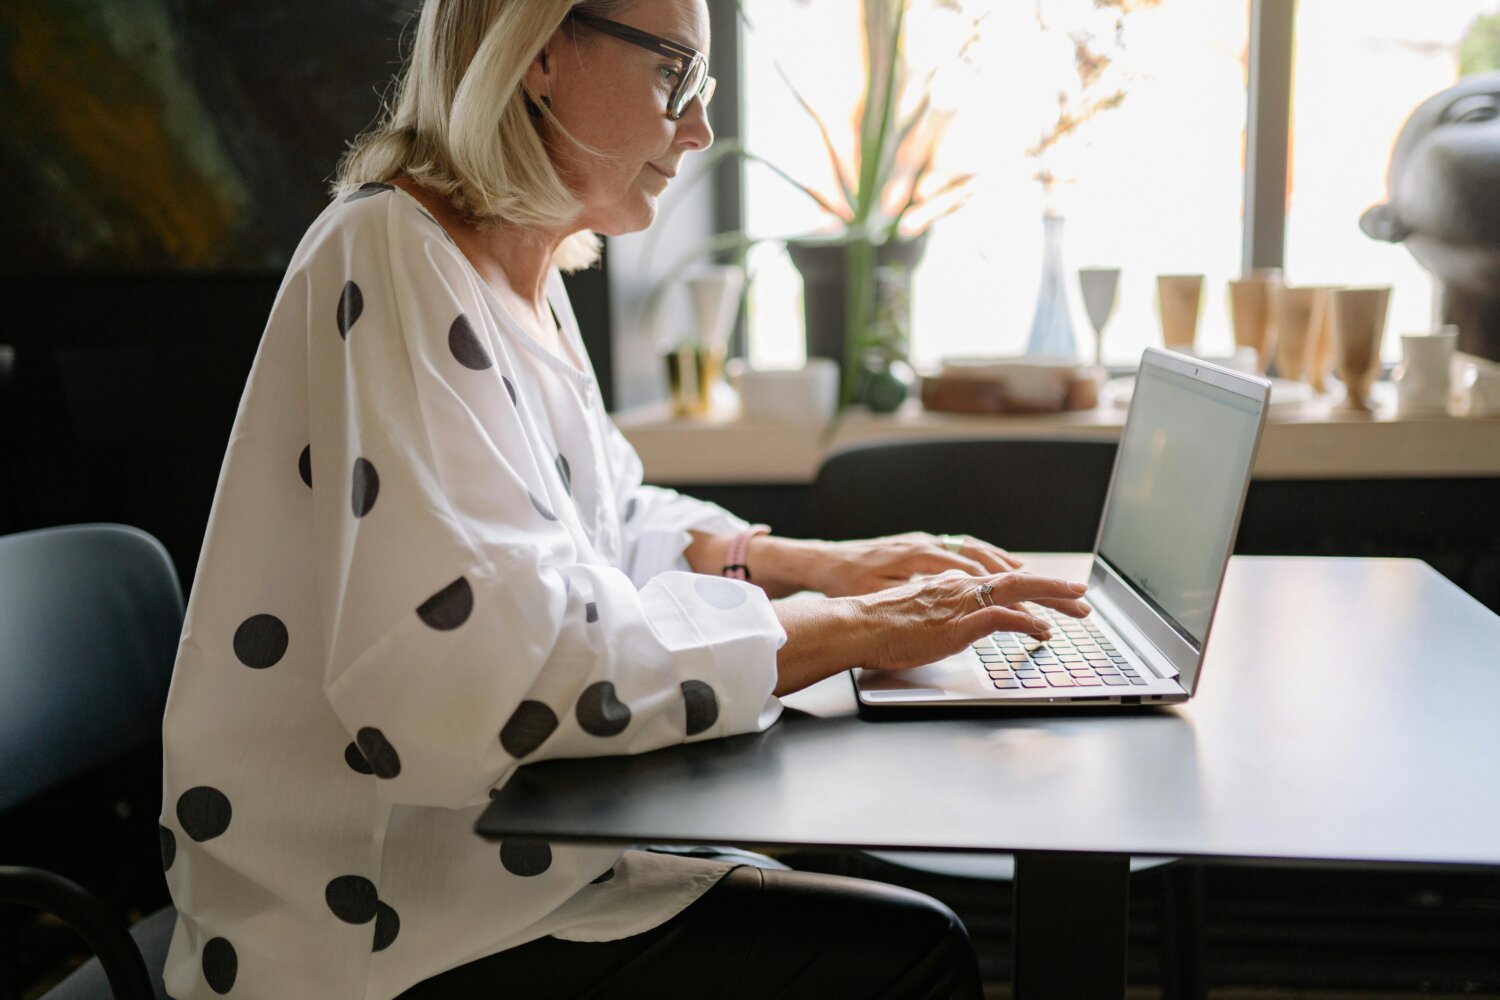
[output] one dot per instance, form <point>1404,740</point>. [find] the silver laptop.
<point>1164,540</point>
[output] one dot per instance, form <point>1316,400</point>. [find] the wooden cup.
<point>1293,307</point>
<point>1320,339</point>
<point>1178,297</point>
<point>1250,314</point>
<point>1357,321</point>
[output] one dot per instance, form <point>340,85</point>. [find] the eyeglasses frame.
<point>687,55</point>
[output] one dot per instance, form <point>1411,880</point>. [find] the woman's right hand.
<point>937,616</point>
<point>912,624</point>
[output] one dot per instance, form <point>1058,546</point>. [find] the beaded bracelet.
<point>735,566</point>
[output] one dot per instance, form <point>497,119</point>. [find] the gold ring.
<point>953,543</point>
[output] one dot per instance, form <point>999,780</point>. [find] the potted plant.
<point>888,193</point>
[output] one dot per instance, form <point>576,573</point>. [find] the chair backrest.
<point>1029,495</point>
<point>90,617</point>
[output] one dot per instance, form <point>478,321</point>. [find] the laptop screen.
<point>1176,494</point>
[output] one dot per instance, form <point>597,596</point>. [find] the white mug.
<point>1423,380</point>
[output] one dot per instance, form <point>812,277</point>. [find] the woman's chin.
<point>632,220</point>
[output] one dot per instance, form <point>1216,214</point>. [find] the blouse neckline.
<point>557,300</point>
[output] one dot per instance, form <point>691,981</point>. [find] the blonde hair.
<point>460,125</point>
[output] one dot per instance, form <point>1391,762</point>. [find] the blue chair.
<point>90,617</point>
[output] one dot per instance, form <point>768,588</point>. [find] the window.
<point>1158,183</point>
<point>1359,70</point>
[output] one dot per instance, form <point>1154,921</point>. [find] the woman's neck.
<point>514,262</point>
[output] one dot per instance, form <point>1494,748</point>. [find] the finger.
<point>1016,587</point>
<point>993,560</point>
<point>1008,563</point>
<point>1073,609</point>
<point>998,618</point>
<point>942,560</point>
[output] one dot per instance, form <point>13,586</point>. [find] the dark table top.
<point>1348,710</point>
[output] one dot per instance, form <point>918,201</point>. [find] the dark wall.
<point>122,390</point>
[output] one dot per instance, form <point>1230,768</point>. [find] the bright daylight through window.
<point>1147,173</point>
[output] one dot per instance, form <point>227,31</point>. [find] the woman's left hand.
<point>868,565</point>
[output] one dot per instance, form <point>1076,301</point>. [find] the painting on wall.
<point>180,135</point>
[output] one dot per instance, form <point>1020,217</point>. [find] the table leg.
<point>1071,916</point>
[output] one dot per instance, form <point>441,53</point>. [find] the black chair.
<point>1038,496</point>
<point>90,617</point>
<point>1026,495</point>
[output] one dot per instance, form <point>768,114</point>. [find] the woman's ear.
<point>541,73</point>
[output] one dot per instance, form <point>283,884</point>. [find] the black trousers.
<point>756,934</point>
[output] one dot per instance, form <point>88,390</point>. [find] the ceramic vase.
<point>822,264</point>
<point>1051,323</point>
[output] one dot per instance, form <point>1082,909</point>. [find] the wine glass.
<point>1099,286</point>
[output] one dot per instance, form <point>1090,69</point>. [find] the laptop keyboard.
<point>1077,655</point>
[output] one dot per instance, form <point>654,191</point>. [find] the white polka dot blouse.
<point>430,560</point>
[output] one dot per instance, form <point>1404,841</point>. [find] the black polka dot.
<point>351,306</point>
<point>600,712</point>
<point>604,877</point>
<point>541,508</point>
<point>382,757</point>
<point>510,389</point>
<point>304,465</point>
<point>630,509</point>
<point>526,857</point>
<point>448,608</point>
<point>168,847</point>
<point>260,641</point>
<point>220,965</point>
<point>366,487</point>
<point>591,612</point>
<point>356,760</point>
<point>203,812</point>
<point>352,898</point>
<point>387,926</point>
<point>465,345</point>
<point>702,706</point>
<point>369,188</point>
<point>564,472</point>
<point>527,728</point>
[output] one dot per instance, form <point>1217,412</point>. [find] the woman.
<point>431,559</point>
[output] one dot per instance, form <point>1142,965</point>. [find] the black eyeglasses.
<point>692,76</point>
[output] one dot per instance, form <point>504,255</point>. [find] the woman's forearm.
<point>779,566</point>
<point>823,637</point>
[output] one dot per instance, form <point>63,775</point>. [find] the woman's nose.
<point>693,130</point>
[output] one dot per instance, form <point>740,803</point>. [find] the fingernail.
<point>1087,608</point>
<point>1037,625</point>
<point>1079,588</point>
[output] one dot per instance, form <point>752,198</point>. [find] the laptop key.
<point>1116,681</point>
<point>1137,680</point>
<point>1004,684</point>
<point>1052,668</point>
<point>1086,682</point>
<point>1034,682</point>
<point>1060,680</point>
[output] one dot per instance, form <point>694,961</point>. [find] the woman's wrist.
<point>783,566</point>
<point>823,638</point>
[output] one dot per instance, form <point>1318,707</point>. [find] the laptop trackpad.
<point>935,682</point>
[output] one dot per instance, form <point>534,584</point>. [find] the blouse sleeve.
<point>655,522</point>
<point>464,634</point>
